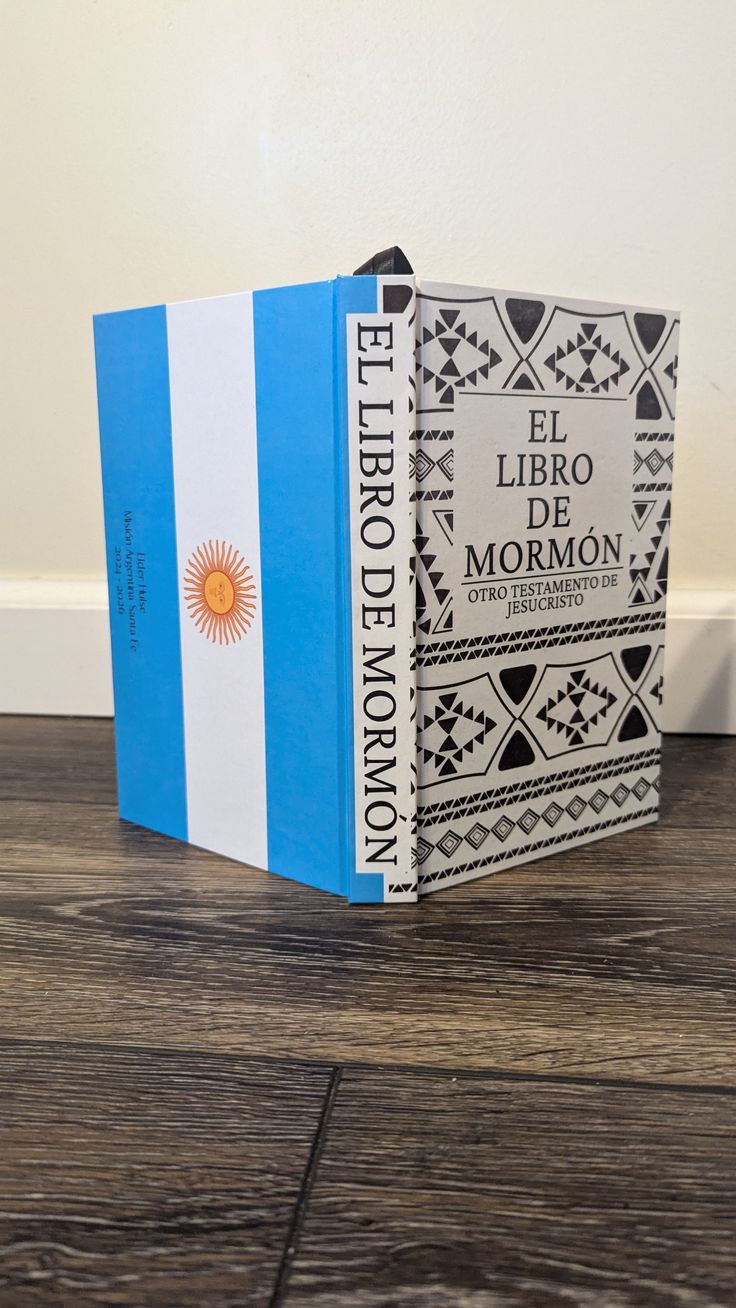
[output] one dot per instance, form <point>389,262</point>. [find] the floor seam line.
<point>301,1205</point>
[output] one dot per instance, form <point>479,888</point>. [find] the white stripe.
<point>216,492</point>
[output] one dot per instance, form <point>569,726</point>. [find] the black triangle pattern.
<point>647,404</point>
<point>671,371</point>
<point>640,511</point>
<point>525,316</point>
<point>460,734</point>
<point>451,732</point>
<point>587,364</point>
<point>634,725</point>
<point>444,519</point>
<point>576,707</point>
<point>517,680</point>
<point>648,567</point>
<point>635,659</point>
<point>649,328</point>
<point>465,358</point>
<point>431,591</point>
<point>517,752</point>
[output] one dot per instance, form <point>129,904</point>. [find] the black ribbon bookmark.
<point>386,263</point>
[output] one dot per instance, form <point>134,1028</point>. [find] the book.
<point>387,565</point>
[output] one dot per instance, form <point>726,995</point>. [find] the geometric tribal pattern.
<point>421,465</point>
<point>654,461</point>
<point>650,508</point>
<point>588,364</point>
<point>577,707</point>
<point>433,597</point>
<point>433,471</point>
<point>524,719</point>
<point>453,734</point>
<point>451,355</point>
<point>549,814</point>
<point>520,345</point>
<point>648,563</point>
<point>521,714</point>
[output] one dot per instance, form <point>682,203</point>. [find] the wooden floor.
<point>221,1088</point>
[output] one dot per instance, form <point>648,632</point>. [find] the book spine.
<point>375,340</point>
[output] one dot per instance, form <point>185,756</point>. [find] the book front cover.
<point>542,464</point>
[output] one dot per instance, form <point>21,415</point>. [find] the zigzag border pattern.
<point>475,647</point>
<point>430,495</point>
<point>431,434</point>
<point>465,806</point>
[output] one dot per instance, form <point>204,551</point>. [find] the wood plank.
<point>129,1178</point>
<point>697,781</point>
<point>477,1193</point>
<point>615,959</point>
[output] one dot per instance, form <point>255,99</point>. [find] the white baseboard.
<point>55,653</point>
<point>700,662</point>
<point>55,648</point>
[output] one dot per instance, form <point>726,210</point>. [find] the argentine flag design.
<point>227,514</point>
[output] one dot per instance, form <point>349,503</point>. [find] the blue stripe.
<point>354,295</point>
<point>137,472</point>
<point>302,630</point>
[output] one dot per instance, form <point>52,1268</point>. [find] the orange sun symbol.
<point>219,592</point>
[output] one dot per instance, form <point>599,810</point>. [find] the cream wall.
<point>165,149</point>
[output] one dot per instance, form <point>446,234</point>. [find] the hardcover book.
<point>387,564</point>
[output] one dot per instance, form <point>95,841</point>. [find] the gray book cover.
<point>541,441</point>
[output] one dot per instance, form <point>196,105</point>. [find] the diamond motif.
<point>598,801</point>
<point>641,788</point>
<point>503,828</point>
<point>446,465</point>
<point>476,835</point>
<point>528,821</point>
<point>575,807</point>
<point>423,465</point>
<point>552,814</point>
<point>620,794</point>
<point>424,849</point>
<point>654,462</point>
<point>449,843</point>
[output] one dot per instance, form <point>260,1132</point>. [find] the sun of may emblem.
<point>219,592</point>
